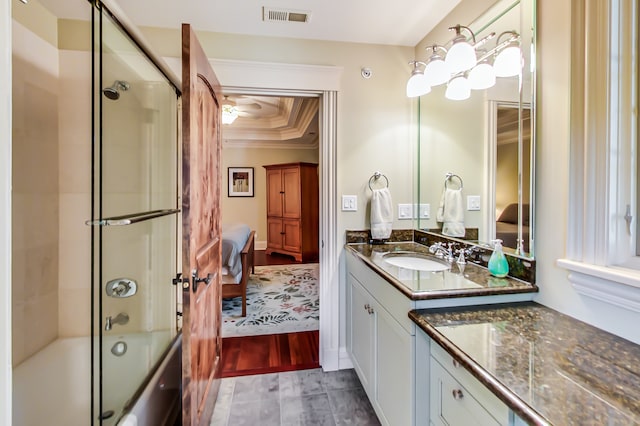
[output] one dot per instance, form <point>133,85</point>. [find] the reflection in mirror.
<point>486,139</point>
<point>509,128</point>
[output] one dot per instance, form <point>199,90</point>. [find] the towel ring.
<point>450,176</point>
<point>377,176</point>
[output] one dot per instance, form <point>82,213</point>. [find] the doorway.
<point>279,130</point>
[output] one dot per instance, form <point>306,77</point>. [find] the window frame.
<point>601,247</point>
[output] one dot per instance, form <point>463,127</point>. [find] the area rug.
<point>280,299</point>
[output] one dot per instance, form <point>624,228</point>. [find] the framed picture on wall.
<point>240,182</point>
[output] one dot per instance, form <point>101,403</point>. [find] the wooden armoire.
<point>292,210</point>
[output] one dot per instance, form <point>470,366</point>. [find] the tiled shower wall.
<point>35,199</point>
<point>75,193</point>
<point>51,193</point>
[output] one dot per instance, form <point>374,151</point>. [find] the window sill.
<point>614,285</point>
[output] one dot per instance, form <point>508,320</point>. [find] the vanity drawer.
<point>452,404</point>
<point>488,402</point>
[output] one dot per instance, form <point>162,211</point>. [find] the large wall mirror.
<point>484,143</point>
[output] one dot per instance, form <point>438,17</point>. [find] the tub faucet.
<point>122,318</point>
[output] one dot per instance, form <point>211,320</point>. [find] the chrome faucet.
<point>122,318</point>
<point>465,251</point>
<point>439,250</point>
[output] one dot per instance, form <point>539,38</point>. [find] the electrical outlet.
<point>349,203</point>
<point>473,202</point>
<point>405,211</point>
<point>424,211</point>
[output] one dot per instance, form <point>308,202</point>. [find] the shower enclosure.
<point>135,225</point>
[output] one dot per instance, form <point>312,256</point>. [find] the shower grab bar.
<point>132,218</point>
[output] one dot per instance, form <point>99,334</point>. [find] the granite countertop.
<point>547,367</point>
<point>466,280</point>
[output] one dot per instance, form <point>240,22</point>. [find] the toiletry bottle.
<point>498,265</point>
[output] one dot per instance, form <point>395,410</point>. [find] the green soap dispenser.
<point>498,265</point>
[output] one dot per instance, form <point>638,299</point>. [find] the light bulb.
<point>508,62</point>
<point>229,113</point>
<point>461,56</point>
<point>436,71</point>
<point>458,89</point>
<point>482,76</point>
<point>417,84</point>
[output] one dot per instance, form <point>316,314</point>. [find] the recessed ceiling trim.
<point>242,144</point>
<point>275,14</point>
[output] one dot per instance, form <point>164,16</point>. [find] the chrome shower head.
<point>113,92</point>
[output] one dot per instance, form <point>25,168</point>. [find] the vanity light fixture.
<point>458,88</point>
<point>436,71</point>
<point>461,55</point>
<point>417,84</point>
<point>466,66</point>
<point>508,61</point>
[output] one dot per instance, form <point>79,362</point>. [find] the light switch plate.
<point>349,203</point>
<point>473,202</point>
<point>424,211</point>
<point>405,211</point>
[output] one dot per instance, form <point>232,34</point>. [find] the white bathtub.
<point>53,387</point>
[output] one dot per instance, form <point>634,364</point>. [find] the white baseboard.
<point>345,360</point>
<point>260,245</point>
<point>329,360</point>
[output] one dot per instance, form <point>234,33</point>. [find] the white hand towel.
<point>381,214</point>
<point>451,213</point>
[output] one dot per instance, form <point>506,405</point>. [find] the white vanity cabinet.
<point>380,342</point>
<point>393,359</point>
<point>456,398</point>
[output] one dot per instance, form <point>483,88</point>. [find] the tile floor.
<point>304,397</point>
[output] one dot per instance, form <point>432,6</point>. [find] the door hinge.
<point>628,218</point>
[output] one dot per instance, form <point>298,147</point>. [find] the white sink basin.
<point>415,261</point>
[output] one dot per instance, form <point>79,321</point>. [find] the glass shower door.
<point>134,218</point>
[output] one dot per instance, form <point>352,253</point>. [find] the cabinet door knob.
<point>366,307</point>
<point>457,394</point>
<point>456,364</point>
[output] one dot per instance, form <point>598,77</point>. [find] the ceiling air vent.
<point>272,14</point>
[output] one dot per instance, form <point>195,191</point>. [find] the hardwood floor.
<point>270,353</point>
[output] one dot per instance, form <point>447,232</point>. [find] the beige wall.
<point>35,194</point>
<point>374,115</point>
<point>253,210</point>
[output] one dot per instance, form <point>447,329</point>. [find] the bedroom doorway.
<point>267,129</point>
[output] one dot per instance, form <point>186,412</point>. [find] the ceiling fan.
<point>250,106</point>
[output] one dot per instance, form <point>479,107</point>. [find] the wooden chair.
<point>233,289</point>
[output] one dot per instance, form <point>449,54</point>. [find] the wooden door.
<point>274,192</point>
<point>292,237</point>
<point>201,255</point>
<point>275,233</point>
<point>291,188</point>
